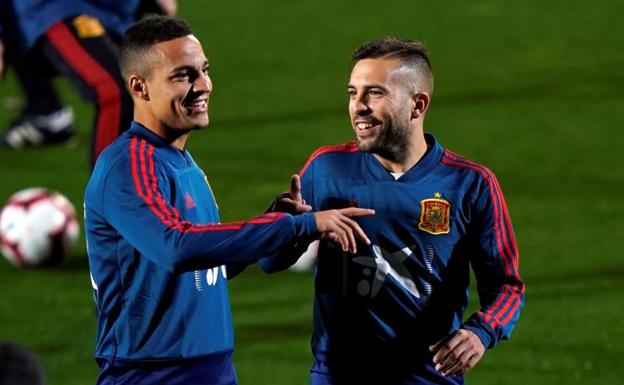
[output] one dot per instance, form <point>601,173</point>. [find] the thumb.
<point>295,188</point>
<point>437,345</point>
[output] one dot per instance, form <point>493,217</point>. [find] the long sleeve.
<point>495,263</point>
<point>135,202</point>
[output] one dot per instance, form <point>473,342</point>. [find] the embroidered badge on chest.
<point>435,215</point>
<point>88,27</point>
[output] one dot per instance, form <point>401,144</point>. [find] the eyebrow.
<point>368,87</point>
<point>189,67</point>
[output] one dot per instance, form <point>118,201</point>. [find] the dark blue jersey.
<point>382,308</point>
<point>22,22</point>
<point>157,257</point>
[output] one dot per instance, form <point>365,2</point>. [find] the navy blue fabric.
<point>158,254</point>
<point>212,369</point>
<point>410,287</point>
<point>23,22</point>
<point>362,375</point>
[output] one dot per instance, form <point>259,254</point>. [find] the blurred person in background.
<point>78,39</point>
<point>19,366</point>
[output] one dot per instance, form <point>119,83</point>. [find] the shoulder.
<point>129,158</point>
<point>480,178</point>
<point>462,164</point>
<point>112,164</point>
<point>328,153</point>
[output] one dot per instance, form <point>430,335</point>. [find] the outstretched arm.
<point>336,225</point>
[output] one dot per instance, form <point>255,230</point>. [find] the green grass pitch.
<point>532,89</point>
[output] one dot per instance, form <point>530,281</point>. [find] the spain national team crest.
<point>435,214</point>
<point>88,27</point>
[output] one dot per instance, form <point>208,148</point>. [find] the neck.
<point>175,137</point>
<point>416,150</point>
<point>180,141</point>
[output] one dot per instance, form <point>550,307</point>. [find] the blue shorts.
<point>212,369</point>
<point>320,375</point>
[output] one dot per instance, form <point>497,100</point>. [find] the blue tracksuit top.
<point>22,22</point>
<point>409,288</point>
<point>157,252</point>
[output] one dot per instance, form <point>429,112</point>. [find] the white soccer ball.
<point>37,227</point>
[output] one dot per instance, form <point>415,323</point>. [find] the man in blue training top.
<point>158,256</point>
<point>393,313</point>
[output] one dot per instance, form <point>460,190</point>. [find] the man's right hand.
<point>338,226</point>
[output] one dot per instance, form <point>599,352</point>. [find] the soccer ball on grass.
<point>37,227</point>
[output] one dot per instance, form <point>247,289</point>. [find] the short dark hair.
<point>18,366</point>
<point>141,36</point>
<point>412,54</point>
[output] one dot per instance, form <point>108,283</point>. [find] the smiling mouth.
<point>199,106</point>
<point>364,129</point>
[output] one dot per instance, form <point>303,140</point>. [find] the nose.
<point>203,84</point>
<point>359,105</point>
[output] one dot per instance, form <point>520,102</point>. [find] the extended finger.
<point>295,188</point>
<point>355,230</point>
<point>359,232</point>
<point>356,212</point>
<point>298,206</point>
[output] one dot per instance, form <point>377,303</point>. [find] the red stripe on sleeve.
<point>164,208</point>
<point>497,198</point>
<point>505,241</point>
<point>137,180</point>
<point>166,213</point>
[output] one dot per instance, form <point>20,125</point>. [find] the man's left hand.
<point>458,354</point>
<point>291,201</point>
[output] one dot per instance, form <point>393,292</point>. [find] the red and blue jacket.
<point>158,257</point>
<point>383,307</point>
<point>23,22</point>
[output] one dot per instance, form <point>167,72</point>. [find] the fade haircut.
<point>412,55</point>
<point>140,38</point>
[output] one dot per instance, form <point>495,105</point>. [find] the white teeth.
<point>363,125</point>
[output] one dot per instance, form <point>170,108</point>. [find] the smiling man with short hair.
<point>158,254</point>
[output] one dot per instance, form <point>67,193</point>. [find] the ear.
<point>138,87</point>
<point>420,102</point>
